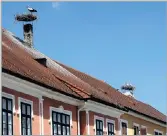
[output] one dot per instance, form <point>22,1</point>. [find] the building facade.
<point>48,98</point>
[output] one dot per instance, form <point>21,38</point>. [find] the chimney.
<point>28,34</point>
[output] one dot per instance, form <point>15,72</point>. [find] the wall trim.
<point>21,85</point>
<point>146,119</point>
<point>135,124</point>
<point>98,107</point>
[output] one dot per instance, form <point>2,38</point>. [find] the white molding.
<point>107,110</point>
<point>10,96</point>
<point>19,111</point>
<point>156,130</point>
<point>145,118</point>
<point>87,119</point>
<point>110,121</point>
<point>135,124</point>
<point>143,126</point>
<point>35,90</point>
<point>98,118</point>
<point>41,115</point>
<point>125,121</point>
<point>60,110</point>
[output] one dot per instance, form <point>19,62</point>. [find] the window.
<point>26,116</point>
<point>136,130</point>
<point>124,126</point>
<point>110,127</point>
<point>143,130</point>
<point>99,127</point>
<point>157,132</point>
<point>26,124</point>
<point>60,123</point>
<point>7,116</point>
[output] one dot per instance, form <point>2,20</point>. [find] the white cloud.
<point>56,5</point>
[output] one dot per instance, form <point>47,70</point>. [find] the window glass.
<point>4,117</point>
<point>9,105</point>
<point>23,109</point>
<point>61,125</point>
<point>9,129</point>
<point>58,117</point>
<point>67,119</point>
<point>54,117</point>
<point>4,103</point>
<point>26,125</point>
<point>110,128</point>
<point>4,129</point>
<point>63,119</point>
<point>7,116</point>
<point>64,130</point>
<point>28,110</point>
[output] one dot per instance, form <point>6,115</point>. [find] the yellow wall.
<point>150,126</point>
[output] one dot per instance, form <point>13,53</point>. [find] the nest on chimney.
<point>25,17</point>
<point>128,87</point>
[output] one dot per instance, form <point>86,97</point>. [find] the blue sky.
<point>116,42</point>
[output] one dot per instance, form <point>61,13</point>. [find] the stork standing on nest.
<point>31,9</point>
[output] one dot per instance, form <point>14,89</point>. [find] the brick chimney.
<point>28,34</point>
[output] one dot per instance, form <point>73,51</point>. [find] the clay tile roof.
<point>118,97</point>
<point>19,60</point>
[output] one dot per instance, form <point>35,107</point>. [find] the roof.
<point>20,60</point>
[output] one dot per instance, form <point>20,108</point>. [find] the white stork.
<point>31,9</point>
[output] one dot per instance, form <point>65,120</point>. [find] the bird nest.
<point>128,87</point>
<point>26,17</point>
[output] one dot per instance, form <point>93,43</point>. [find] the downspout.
<point>87,119</point>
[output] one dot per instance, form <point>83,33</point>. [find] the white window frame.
<point>142,126</point>
<point>60,110</point>
<point>136,125</point>
<point>156,130</point>
<point>98,118</point>
<point>10,96</point>
<point>110,121</point>
<point>124,121</point>
<point>20,99</point>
